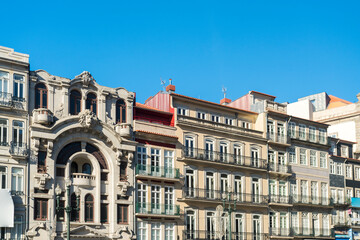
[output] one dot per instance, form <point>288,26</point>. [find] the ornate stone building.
<point>81,139</point>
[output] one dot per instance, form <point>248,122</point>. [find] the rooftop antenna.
<point>224,90</point>
<point>163,84</point>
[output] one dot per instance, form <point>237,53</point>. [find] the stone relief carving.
<point>59,113</point>
<point>123,187</point>
<point>33,231</point>
<point>125,233</point>
<point>85,77</point>
<point>88,118</point>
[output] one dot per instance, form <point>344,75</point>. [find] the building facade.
<point>81,154</point>
<point>14,137</point>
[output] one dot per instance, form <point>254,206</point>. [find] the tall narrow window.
<point>4,132</point>
<point>17,230</point>
<point>120,111</point>
<point>4,84</point>
<point>40,209</point>
<point>302,132</point>
<point>40,96</point>
<point>89,208</point>
<point>17,179</point>
<point>189,147</point>
<point>91,102</point>
<point>86,168</point>
<point>142,231</point>
<point>254,157</point>
<point>292,155</point>
<point>42,162</point>
<point>169,163</point>
<point>123,175</point>
<point>303,160</point>
<point>190,224</point>
<point>169,231</point>
<point>209,149</point>
<point>18,133</point>
<point>210,185</point>
<point>3,177</point>
<point>155,161</point>
<point>122,214</point>
<point>238,154</point>
<point>223,152</point>
<point>190,183</point>
<point>155,231</point>
<point>104,213</point>
<point>292,129</point>
<point>74,215</point>
<point>75,102</point>
<point>323,160</point>
<point>18,88</point>
<point>313,160</point>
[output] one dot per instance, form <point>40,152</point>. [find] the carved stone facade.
<point>81,148</point>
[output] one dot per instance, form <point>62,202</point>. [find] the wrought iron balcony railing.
<point>313,232</point>
<point>337,202</point>
<point>309,137</point>
<point>157,208</point>
<point>216,195</point>
<point>279,231</point>
<point>280,199</point>
<point>226,158</point>
<point>18,149</point>
<point>311,200</point>
<point>280,168</point>
<point>155,171</point>
<point>213,235</point>
<point>5,99</point>
<point>280,138</point>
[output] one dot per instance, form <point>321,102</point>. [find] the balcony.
<point>279,232</point>
<point>308,200</point>
<point>157,209</point>
<point>341,221</point>
<point>340,202</point>
<point>124,129</point>
<point>277,138</point>
<point>312,232</point>
<point>279,199</point>
<point>223,158</point>
<point>18,150</point>
<point>199,194</point>
<point>216,126</point>
<point>83,179</point>
<point>308,137</point>
<point>157,172</point>
<point>280,168</point>
<point>213,235</point>
<point>43,116</point>
<point>5,99</point>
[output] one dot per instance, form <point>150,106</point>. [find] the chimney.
<point>358,97</point>
<point>170,88</point>
<point>225,101</point>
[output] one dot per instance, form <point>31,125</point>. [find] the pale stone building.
<point>14,121</point>
<point>81,138</point>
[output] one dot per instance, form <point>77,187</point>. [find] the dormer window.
<point>215,118</point>
<point>91,102</point>
<point>75,102</point>
<point>120,111</point>
<point>40,96</point>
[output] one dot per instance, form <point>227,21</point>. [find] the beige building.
<point>223,161</point>
<point>14,120</point>
<point>81,140</point>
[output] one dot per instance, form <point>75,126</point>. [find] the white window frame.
<point>313,158</point>
<point>4,178</point>
<point>20,93</point>
<point>18,129</point>
<point>323,160</point>
<point>339,169</point>
<point>292,155</point>
<point>142,230</point>
<point>348,170</point>
<point>215,118</point>
<point>18,178</point>
<point>303,157</point>
<point>302,132</point>
<point>3,79</point>
<point>229,121</point>
<point>182,111</point>
<point>4,142</point>
<point>201,115</point>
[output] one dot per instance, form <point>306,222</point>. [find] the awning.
<point>7,209</point>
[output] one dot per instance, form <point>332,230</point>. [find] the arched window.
<point>75,102</point>
<point>89,208</point>
<point>40,96</point>
<point>120,111</point>
<point>91,102</point>
<point>74,215</point>
<point>86,168</point>
<point>74,167</point>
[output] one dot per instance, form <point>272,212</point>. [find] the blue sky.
<point>289,49</point>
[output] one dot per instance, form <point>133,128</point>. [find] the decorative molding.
<point>86,78</point>
<point>87,118</point>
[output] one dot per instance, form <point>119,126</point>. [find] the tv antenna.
<point>163,82</point>
<point>224,90</point>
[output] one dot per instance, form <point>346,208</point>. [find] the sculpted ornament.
<point>87,118</point>
<point>85,77</point>
<point>125,233</point>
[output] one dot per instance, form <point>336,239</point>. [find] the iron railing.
<point>216,195</point>
<point>157,208</point>
<point>281,168</point>
<point>313,232</point>
<point>311,200</point>
<point>5,99</point>
<point>280,199</point>
<point>309,137</point>
<point>221,157</point>
<point>18,149</point>
<point>279,231</point>
<point>213,235</point>
<point>156,171</point>
<point>276,137</point>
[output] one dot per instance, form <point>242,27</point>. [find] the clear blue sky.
<point>289,49</point>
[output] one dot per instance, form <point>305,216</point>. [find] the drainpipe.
<point>27,211</point>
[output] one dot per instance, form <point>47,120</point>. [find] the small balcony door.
<point>155,199</point>
<point>169,200</point>
<point>210,185</point>
<point>190,183</point>
<point>189,147</point>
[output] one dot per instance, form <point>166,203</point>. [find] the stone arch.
<point>74,147</point>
